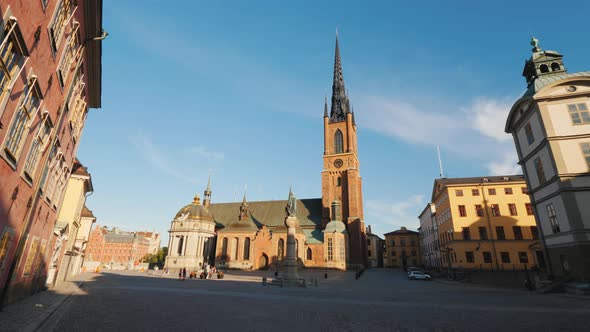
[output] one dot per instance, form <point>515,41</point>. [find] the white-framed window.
<point>342,249</point>
<point>553,218</point>
<point>13,53</point>
<point>69,55</point>
<point>62,14</point>
<point>330,250</point>
<point>37,147</point>
<point>21,121</point>
<point>586,152</point>
<point>579,113</point>
<point>47,169</point>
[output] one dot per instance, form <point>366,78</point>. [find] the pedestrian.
<point>180,274</point>
<point>183,273</point>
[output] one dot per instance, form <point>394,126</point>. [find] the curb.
<point>41,326</point>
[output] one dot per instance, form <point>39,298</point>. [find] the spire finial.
<point>197,200</point>
<point>535,44</point>
<point>340,103</point>
<point>209,183</point>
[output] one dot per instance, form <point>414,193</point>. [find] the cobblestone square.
<point>381,300</point>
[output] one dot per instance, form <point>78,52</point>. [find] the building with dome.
<point>550,125</point>
<point>253,235</point>
<point>192,236</point>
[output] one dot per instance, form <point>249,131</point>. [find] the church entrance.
<point>263,262</point>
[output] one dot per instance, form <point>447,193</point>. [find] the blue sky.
<point>236,89</point>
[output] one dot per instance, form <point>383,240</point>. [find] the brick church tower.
<point>341,178</point>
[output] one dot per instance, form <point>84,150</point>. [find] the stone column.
<point>291,276</point>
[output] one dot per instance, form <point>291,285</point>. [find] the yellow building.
<point>486,223</point>
<point>402,248</point>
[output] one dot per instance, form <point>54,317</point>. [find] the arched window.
<point>281,250</point>
<point>308,254</point>
<point>224,248</point>
<point>338,147</point>
<point>342,247</point>
<point>234,248</point>
<point>330,250</point>
<point>180,243</point>
<point>555,66</point>
<point>338,182</point>
<point>247,248</point>
<point>544,69</point>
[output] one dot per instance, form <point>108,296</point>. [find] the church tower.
<point>341,180</point>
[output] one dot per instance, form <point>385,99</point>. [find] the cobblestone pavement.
<point>381,300</point>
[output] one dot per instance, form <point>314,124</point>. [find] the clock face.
<point>338,163</point>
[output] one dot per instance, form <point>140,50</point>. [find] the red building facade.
<point>116,248</point>
<point>50,75</point>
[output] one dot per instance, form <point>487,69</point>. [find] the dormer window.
<point>544,68</point>
<point>555,66</point>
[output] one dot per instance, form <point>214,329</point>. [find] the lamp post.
<point>326,267</point>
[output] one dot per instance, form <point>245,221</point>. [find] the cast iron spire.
<point>340,104</point>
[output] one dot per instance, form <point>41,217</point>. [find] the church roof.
<point>246,225</point>
<point>269,213</point>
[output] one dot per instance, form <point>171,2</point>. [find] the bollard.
<point>264,281</point>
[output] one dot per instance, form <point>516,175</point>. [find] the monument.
<point>290,276</point>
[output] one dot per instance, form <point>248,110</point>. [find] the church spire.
<point>325,107</point>
<point>207,193</point>
<point>340,104</point>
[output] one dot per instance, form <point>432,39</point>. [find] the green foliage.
<point>157,258</point>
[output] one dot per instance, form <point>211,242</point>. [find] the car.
<point>418,275</point>
<point>413,268</point>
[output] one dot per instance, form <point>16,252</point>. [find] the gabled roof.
<point>269,213</point>
<point>401,232</point>
<point>246,225</point>
<point>86,213</point>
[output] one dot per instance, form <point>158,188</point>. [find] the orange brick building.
<point>118,249</point>
<point>253,235</point>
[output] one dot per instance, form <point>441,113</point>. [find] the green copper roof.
<point>545,80</point>
<point>269,213</point>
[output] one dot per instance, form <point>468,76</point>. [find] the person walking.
<point>180,274</point>
<point>183,273</point>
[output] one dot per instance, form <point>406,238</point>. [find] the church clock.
<point>338,163</point>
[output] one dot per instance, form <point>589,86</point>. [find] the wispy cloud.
<point>384,216</point>
<point>160,158</point>
<point>204,153</point>
<point>474,131</point>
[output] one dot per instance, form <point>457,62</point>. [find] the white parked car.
<point>413,275</point>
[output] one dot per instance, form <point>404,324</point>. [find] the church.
<point>253,235</point>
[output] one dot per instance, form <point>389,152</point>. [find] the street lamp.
<point>326,266</point>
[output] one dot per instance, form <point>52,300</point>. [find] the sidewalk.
<point>28,314</point>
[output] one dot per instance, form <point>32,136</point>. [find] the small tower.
<point>542,63</point>
<point>207,194</point>
<point>243,209</point>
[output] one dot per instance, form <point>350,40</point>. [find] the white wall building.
<point>550,125</point>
